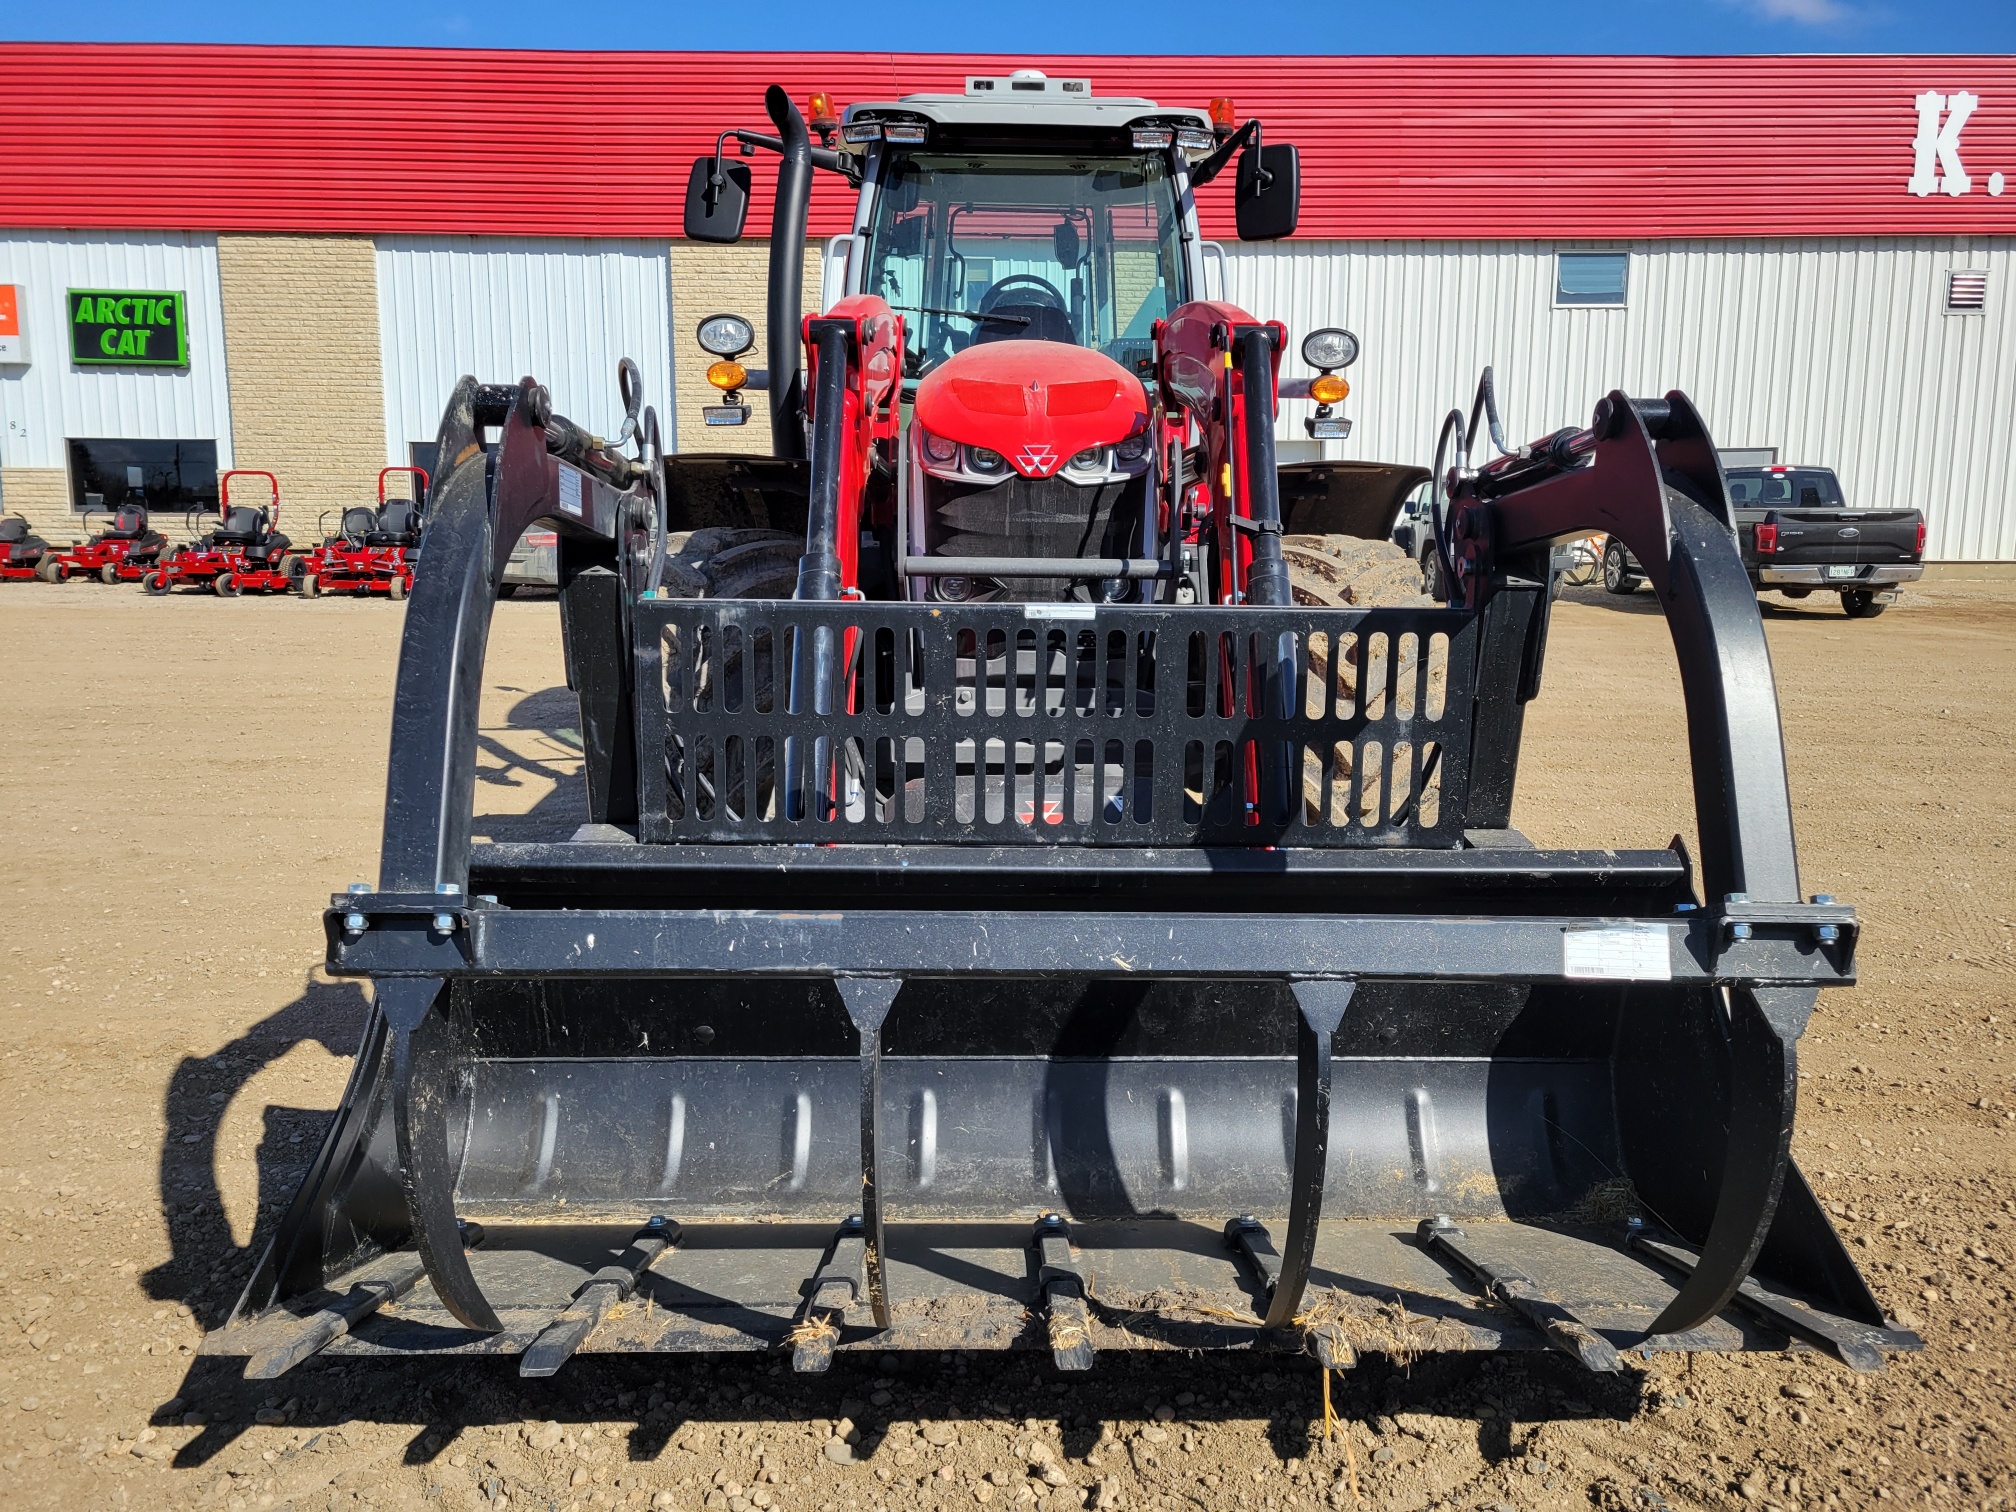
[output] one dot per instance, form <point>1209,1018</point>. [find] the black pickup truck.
<point>1800,536</point>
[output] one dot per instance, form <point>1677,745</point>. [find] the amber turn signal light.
<point>1329,389</point>
<point>727,376</point>
<point>823,114</point>
<point>1221,112</point>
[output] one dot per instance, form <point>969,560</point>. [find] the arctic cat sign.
<point>128,328</point>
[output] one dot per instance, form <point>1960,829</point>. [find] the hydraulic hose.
<point>819,567</point>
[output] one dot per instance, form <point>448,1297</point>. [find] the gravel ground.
<point>198,775</point>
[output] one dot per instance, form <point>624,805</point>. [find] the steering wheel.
<point>997,293</point>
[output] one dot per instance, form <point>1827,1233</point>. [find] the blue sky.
<point>1035,26</point>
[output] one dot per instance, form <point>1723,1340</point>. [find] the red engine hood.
<point>1038,403</point>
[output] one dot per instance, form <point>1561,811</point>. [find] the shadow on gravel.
<point>556,714</point>
<point>1645,601</point>
<point>206,1269</point>
<point>1489,1401</point>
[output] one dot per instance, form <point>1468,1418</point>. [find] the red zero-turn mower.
<point>124,552</point>
<point>374,550</point>
<point>244,554</point>
<point>22,554</point>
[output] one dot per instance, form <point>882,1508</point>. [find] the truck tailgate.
<point>1828,536</point>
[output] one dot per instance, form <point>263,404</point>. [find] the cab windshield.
<point>1077,249</point>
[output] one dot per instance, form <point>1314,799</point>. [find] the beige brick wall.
<point>715,280</point>
<point>301,349</point>
<point>43,495</point>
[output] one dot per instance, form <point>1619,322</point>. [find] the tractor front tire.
<point>1341,571</point>
<point>729,562</point>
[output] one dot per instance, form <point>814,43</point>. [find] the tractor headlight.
<point>726,335</point>
<point>1133,449</point>
<point>987,463</point>
<point>1090,460</point>
<point>937,449</point>
<point>1330,348</point>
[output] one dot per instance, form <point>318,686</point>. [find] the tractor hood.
<point>1038,403</point>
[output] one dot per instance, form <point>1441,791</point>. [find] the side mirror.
<point>1268,198</point>
<point>715,212</point>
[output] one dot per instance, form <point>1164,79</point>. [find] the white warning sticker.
<point>570,491</point>
<point>1618,953</point>
<point>1060,611</point>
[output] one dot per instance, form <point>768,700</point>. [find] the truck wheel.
<point>1860,603</point>
<point>1618,577</point>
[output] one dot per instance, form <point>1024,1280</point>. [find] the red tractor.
<point>124,552</point>
<point>22,552</point>
<point>373,550</point>
<point>246,553</point>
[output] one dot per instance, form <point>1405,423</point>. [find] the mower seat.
<point>358,522</point>
<point>269,546</point>
<point>129,524</point>
<point>398,524</point>
<point>17,546</point>
<point>241,526</point>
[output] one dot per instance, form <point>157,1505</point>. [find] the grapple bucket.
<point>1077,979</point>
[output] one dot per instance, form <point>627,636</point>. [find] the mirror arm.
<point>822,157</point>
<point>1213,165</point>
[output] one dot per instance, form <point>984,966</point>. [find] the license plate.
<point>1842,572</point>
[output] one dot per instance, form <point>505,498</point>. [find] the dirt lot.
<point>186,791</point>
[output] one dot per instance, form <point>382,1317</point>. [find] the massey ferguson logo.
<point>1935,166</point>
<point>1040,460</point>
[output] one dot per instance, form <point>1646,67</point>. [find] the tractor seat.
<point>13,529</point>
<point>1046,323</point>
<point>398,524</point>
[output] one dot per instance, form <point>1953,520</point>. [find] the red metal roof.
<point>598,144</point>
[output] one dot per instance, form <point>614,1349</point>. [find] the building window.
<point>1590,278</point>
<point>170,477</point>
<point>1966,293</point>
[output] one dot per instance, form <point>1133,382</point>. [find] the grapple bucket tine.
<point>422,1076</point>
<point>1061,1289</point>
<point>834,1287</point>
<point>868,1001</point>
<point>1764,1025</point>
<point>388,1282</point>
<point>1320,1007</point>
<point>609,1286</point>
<point>1516,1291</point>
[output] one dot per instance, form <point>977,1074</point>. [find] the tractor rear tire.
<point>728,562</point>
<point>1349,572</point>
<point>395,590</point>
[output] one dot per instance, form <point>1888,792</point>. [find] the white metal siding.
<point>1838,352</point>
<point>50,399</point>
<point>562,309</point>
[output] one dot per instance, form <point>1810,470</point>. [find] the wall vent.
<point>1966,293</point>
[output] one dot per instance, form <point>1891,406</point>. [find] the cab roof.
<point>1026,97</point>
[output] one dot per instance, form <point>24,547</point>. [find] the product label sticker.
<point>570,491</point>
<point>1618,953</point>
<point>1060,611</point>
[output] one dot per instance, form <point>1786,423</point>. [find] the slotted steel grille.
<point>1967,292</point>
<point>1039,724</point>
